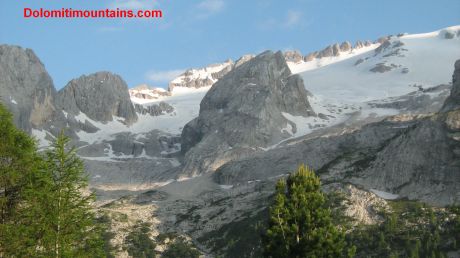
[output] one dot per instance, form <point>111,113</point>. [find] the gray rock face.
<point>453,101</point>
<point>244,110</point>
<point>417,159</point>
<point>422,101</point>
<point>25,87</point>
<point>101,96</point>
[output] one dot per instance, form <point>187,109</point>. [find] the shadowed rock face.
<point>244,110</point>
<point>453,101</point>
<point>100,96</point>
<point>25,87</point>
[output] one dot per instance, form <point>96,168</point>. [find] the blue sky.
<point>194,33</point>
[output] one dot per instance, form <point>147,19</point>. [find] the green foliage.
<point>411,230</point>
<point>300,223</point>
<point>19,165</point>
<point>42,208</point>
<point>180,248</point>
<point>240,238</point>
<point>104,223</point>
<point>138,242</point>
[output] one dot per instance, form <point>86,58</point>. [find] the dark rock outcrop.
<point>244,110</point>
<point>381,68</point>
<point>383,46</point>
<point>154,109</point>
<point>453,101</point>
<point>25,87</point>
<point>100,96</point>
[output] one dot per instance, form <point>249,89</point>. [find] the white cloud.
<point>133,4</point>
<point>163,76</point>
<point>293,18</point>
<point>210,7</point>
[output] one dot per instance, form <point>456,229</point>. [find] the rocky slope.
<point>25,87</point>
<point>412,156</point>
<point>244,110</point>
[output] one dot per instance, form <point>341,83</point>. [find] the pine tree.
<point>300,225</point>
<point>68,223</point>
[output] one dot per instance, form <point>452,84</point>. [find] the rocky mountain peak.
<point>244,109</point>
<point>333,50</point>
<point>293,56</point>
<point>100,96</point>
<point>345,46</point>
<point>25,87</point>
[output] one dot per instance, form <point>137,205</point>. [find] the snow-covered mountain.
<point>364,79</point>
<point>404,74</point>
<point>345,81</point>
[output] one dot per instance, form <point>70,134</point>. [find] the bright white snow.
<point>341,87</point>
<point>13,101</point>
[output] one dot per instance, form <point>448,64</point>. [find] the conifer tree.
<point>69,222</point>
<point>300,225</point>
